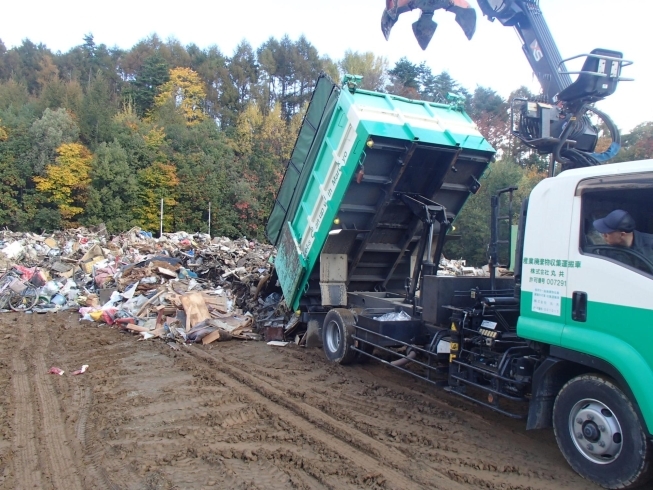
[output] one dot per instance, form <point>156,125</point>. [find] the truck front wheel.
<point>599,433</point>
<point>337,331</point>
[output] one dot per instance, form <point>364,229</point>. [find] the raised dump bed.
<point>358,156</point>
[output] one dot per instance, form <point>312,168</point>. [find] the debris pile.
<point>459,268</point>
<point>179,287</point>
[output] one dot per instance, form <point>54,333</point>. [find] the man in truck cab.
<point>618,230</point>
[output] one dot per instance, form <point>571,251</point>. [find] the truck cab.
<point>589,302</point>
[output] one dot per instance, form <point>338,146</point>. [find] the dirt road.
<point>241,415</point>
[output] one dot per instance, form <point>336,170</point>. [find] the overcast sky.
<point>493,58</point>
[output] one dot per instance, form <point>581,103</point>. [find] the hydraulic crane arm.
<point>538,44</point>
<point>557,121</point>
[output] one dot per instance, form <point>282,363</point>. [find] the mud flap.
<point>313,334</point>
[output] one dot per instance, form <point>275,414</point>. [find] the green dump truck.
<point>373,186</point>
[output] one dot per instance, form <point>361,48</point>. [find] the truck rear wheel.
<point>599,433</point>
<point>337,331</point>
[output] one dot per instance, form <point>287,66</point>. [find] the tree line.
<point>101,135</point>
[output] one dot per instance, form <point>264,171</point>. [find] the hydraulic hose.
<point>405,360</point>
<point>615,146</point>
<point>572,158</point>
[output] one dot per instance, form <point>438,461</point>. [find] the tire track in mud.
<point>359,448</point>
<point>63,468</point>
<point>408,451</point>
<point>26,461</point>
<point>84,402</point>
<point>108,471</point>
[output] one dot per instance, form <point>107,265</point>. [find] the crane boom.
<point>538,45</point>
<point>557,121</point>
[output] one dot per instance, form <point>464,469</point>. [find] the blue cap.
<point>617,220</point>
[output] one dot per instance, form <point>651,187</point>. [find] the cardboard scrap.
<point>195,308</point>
<point>87,265</point>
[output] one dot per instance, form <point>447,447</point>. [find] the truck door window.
<point>617,224</point>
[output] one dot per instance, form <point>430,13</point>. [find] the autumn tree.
<point>185,92</point>
<point>66,181</point>
<point>490,113</point>
<point>638,144</point>
<point>48,133</point>
<point>372,68</point>
<point>155,183</point>
<point>61,94</point>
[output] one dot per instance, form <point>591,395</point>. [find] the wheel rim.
<point>595,430</point>
<point>24,300</point>
<point>332,336</point>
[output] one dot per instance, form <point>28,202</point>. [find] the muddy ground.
<point>241,415</point>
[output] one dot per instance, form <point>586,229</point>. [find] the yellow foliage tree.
<point>66,181</point>
<point>158,181</point>
<point>186,91</point>
<point>248,125</point>
<point>3,132</point>
<point>268,132</point>
<point>275,134</point>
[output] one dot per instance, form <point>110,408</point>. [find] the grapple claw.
<point>387,21</point>
<point>424,28</point>
<point>466,18</point>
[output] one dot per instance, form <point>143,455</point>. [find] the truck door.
<point>544,306</point>
<point>610,279</point>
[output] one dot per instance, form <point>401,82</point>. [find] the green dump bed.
<point>356,151</point>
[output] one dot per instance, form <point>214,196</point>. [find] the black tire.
<point>337,330</point>
<point>24,300</point>
<point>599,433</point>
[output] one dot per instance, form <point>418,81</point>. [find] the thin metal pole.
<point>161,223</point>
<point>552,165</point>
<point>209,219</point>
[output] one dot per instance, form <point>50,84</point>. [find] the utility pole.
<point>161,222</point>
<point>209,219</point>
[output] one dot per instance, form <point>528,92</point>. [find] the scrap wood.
<point>218,334</point>
<point>215,302</point>
<point>166,272</point>
<point>195,308</point>
<point>261,283</point>
<point>234,324</point>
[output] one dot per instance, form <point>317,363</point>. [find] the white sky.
<point>493,58</point>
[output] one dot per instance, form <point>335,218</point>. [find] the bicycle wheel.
<point>24,300</point>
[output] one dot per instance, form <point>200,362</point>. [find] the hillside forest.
<point>101,135</point>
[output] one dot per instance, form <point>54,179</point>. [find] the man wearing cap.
<point>618,230</point>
